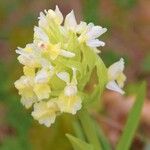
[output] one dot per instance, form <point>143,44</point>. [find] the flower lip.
<point>112,85</point>
<point>70,90</point>
<point>116,76</point>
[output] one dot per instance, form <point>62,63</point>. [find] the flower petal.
<point>40,34</point>
<point>59,15</point>
<point>116,69</point>
<point>64,76</point>
<point>42,20</point>
<point>70,21</point>
<point>95,32</point>
<point>28,101</point>
<point>29,71</point>
<point>112,85</point>
<point>81,27</point>
<point>69,104</point>
<point>70,90</point>
<point>95,43</point>
<point>42,76</point>
<point>45,113</point>
<point>67,53</point>
<point>42,90</point>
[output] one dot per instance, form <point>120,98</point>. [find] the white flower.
<point>90,33</point>
<point>49,50</point>
<point>116,77</point>
<point>56,16</point>
<point>29,56</point>
<point>69,101</point>
<point>45,112</point>
<point>70,21</point>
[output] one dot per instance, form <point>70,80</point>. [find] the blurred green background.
<point>128,36</point>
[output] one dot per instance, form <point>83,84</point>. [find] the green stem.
<point>89,129</point>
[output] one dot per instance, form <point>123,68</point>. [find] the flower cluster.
<point>59,64</point>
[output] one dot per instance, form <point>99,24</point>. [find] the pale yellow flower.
<point>69,104</point>
<point>25,87</point>
<point>52,51</point>
<point>59,49</point>
<point>41,84</point>
<point>69,101</point>
<point>33,86</point>
<point>29,71</point>
<point>45,112</point>
<point>28,56</point>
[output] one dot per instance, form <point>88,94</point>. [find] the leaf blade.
<point>89,129</point>
<point>103,139</point>
<point>133,120</point>
<point>79,144</point>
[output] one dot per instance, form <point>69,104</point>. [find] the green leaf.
<point>133,120</point>
<point>89,129</point>
<point>103,139</point>
<point>79,144</point>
